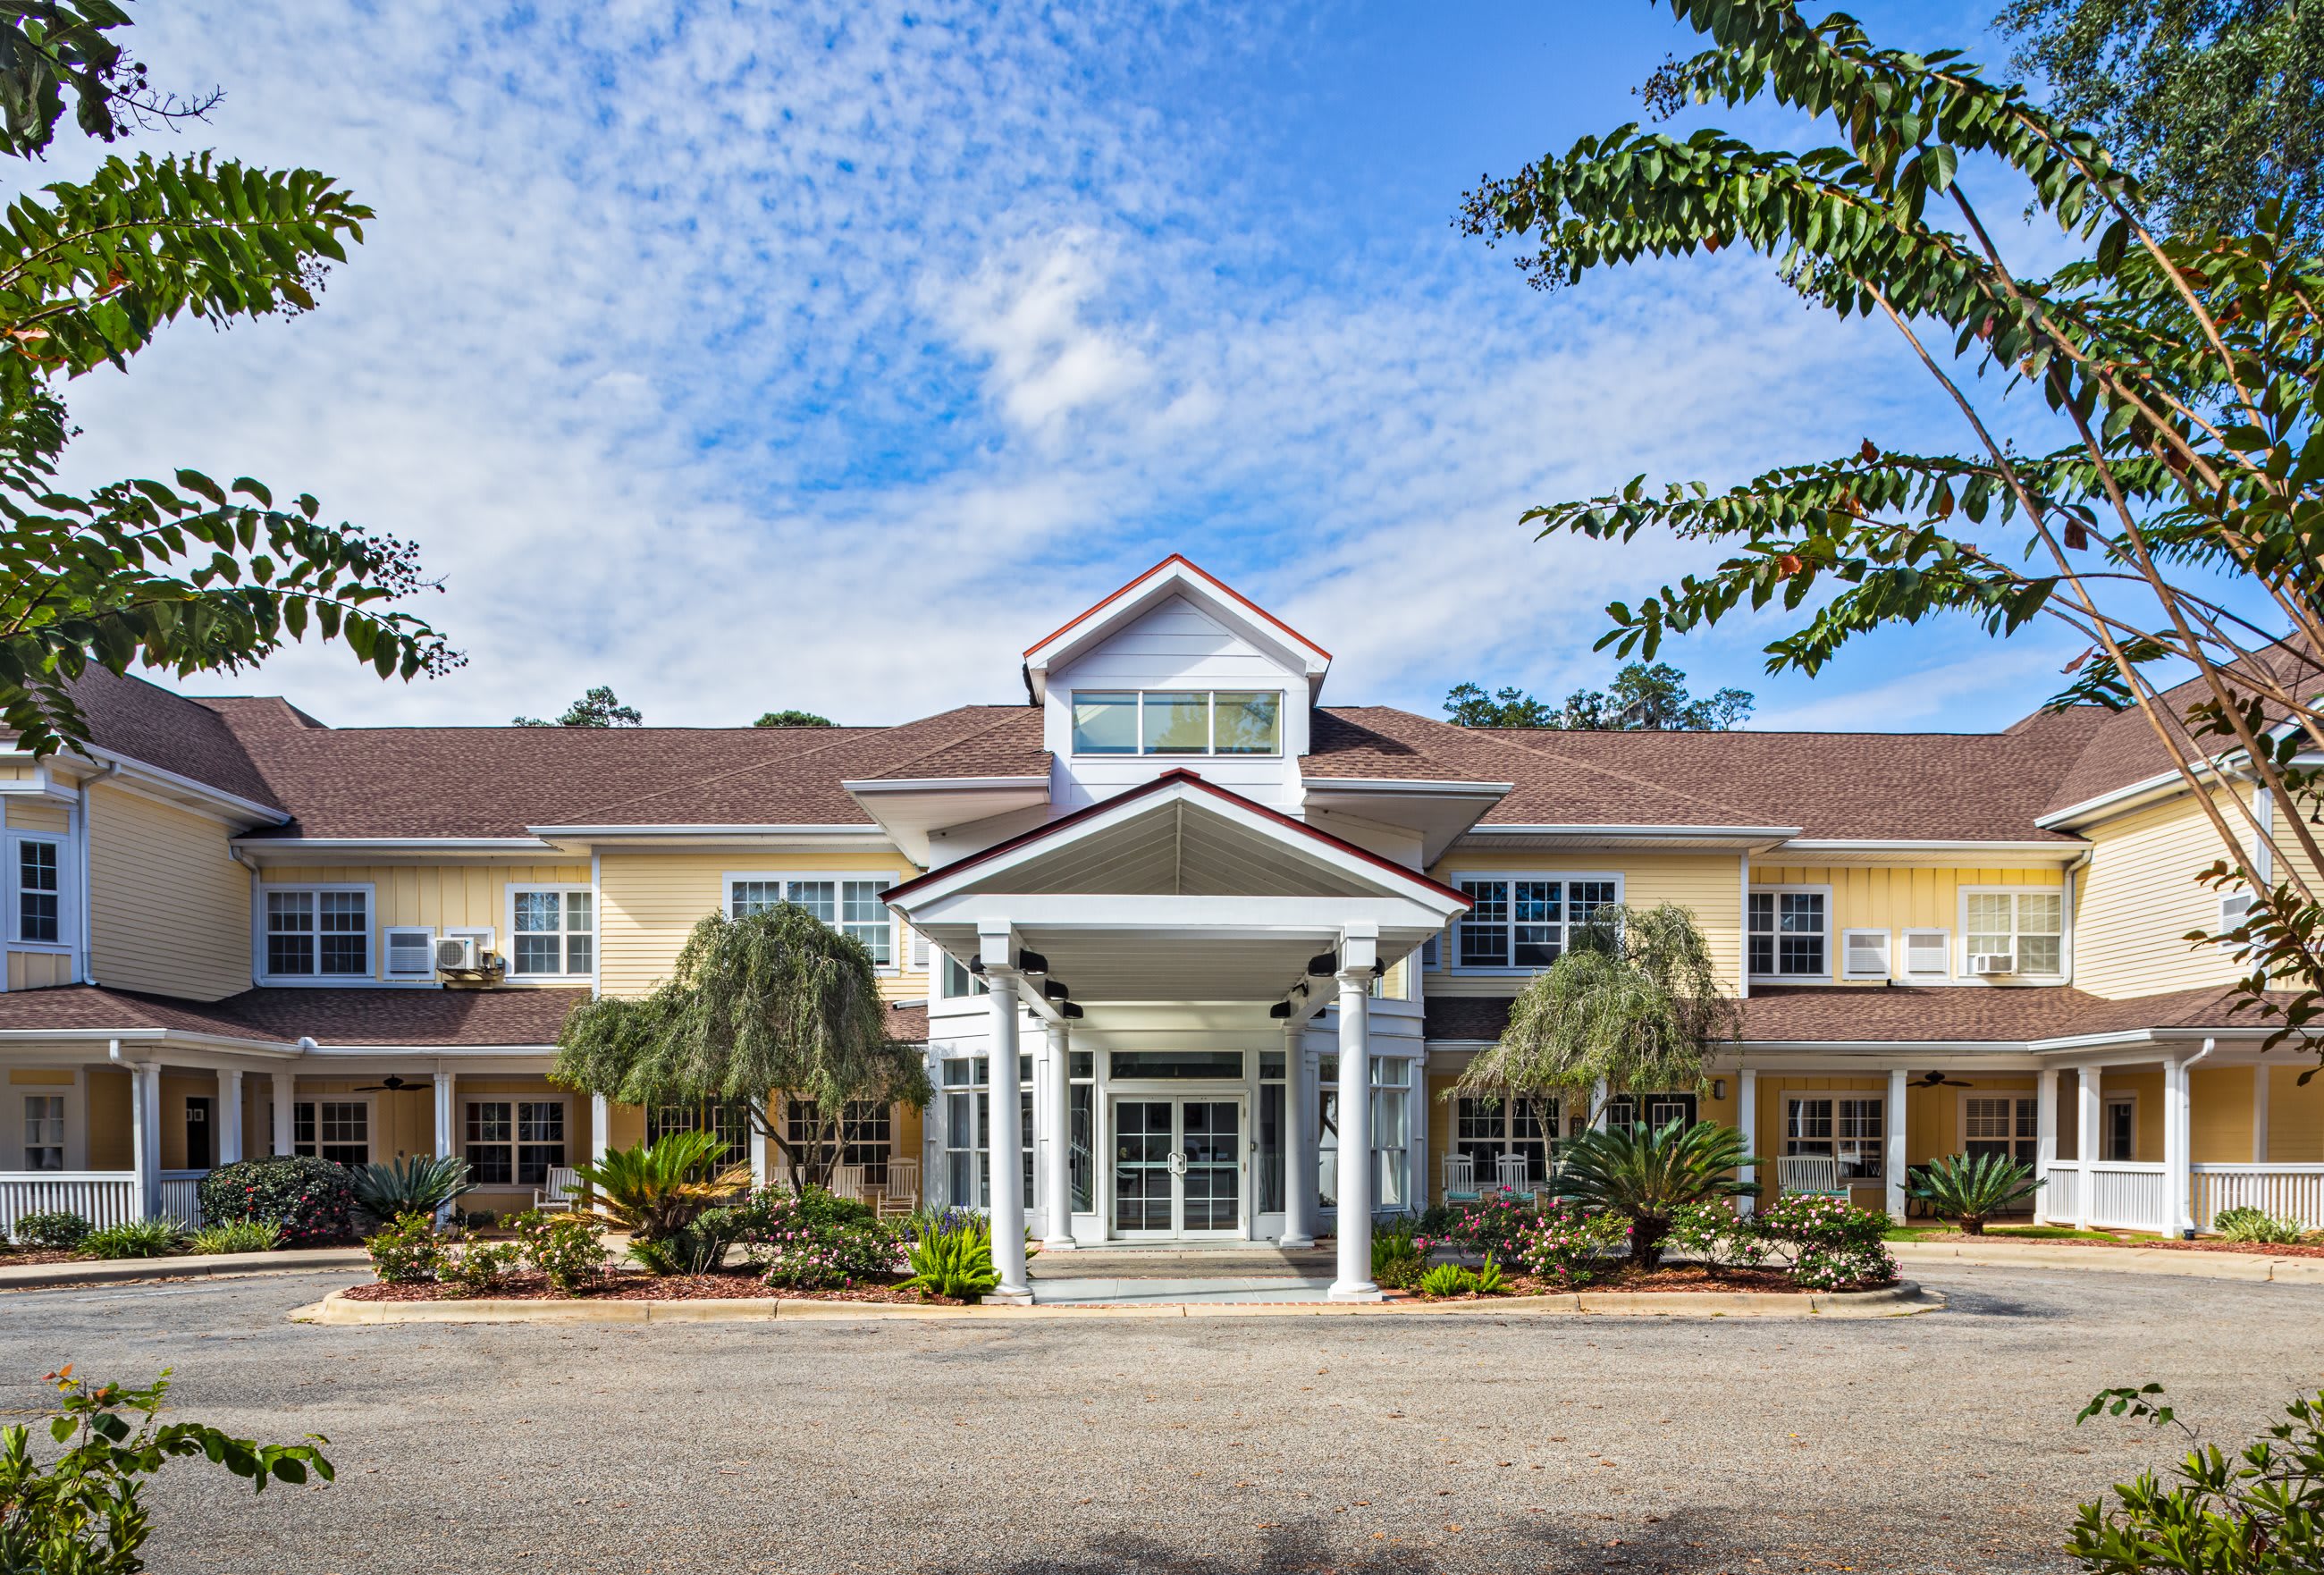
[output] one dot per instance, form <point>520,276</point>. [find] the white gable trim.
<point>1174,576</point>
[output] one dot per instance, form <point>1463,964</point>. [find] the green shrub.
<point>82,1512</point>
<point>1446,1279</point>
<point>313,1200</point>
<point>55,1229</point>
<point>567,1249</point>
<point>478,1268</point>
<point>2249,1224</point>
<point>1830,1244</point>
<point>1569,1246</point>
<point>2259,1511</point>
<point>407,1252</point>
<point>236,1236</point>
<point>1714,1236</point>
<point>1647,1174</point>
<point>421,1184</point>
<point>135,1239</point>
<point>1970,1191</point>
<point>956,1261</point>
<point>1488,1279</point>
<point>813,1241</point>
<point>1398,1260</point>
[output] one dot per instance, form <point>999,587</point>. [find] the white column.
<point>2259,1114</point>
<point>445,1109</point>
<point>2089,1122</point>
<point>1059,1176</point>
<point>2176,1177</point>
<point>1003,1154</point>
<point>283,1085</point>
<point>754,1146</point>
<point>1298,1140</point>
<point>1601,1097</point>
<point>1892,1147</point>
<point>2046,1135</point>
<point>600,1128</point>
<point>1747,1121</point>
<point>1354,1283</point>
<point>145,1140</point>
<point>229,1115</point>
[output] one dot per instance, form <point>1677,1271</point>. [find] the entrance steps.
<point>1174,1261</point>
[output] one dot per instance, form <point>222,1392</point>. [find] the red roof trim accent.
<point>1144,790</point>
<point>1192,567</point>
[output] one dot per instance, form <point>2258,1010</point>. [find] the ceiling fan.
<point>391,1084</point>
<point>1938,1080</point>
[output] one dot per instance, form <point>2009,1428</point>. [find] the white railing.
<point>101,1197</point>
<point>2124,1196</point>
<point>2286,1191</point>
<point>2061,1195</point>
<point>180,1200</point>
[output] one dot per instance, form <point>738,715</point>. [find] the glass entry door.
<point>1178,1166</point>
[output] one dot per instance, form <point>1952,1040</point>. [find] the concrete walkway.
<point>113,1271</point>
<point>1997,1252</point>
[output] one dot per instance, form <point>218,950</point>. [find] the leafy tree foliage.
<point>600,707</point>
<point>792,719</point>
<point>2218,105</point>
<point>2173,529</point>
<point>187,575</point>
<point>1644,698</point>
<point>774,1002</point>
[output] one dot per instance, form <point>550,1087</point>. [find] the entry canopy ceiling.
<point>1178,890</point>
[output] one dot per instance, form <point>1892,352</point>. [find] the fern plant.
<point>1446,1279</point>
<point>955,1262</point>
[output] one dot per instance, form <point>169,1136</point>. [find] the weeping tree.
<point>1634,1002</point>
<point>774,1002</point>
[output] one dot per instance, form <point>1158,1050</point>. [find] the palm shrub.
<point>235,1236</point>
<point>56,1228</point>
<point>135,1239</point>
<point>2250,1224</point>
<point>956,1261</point>
<point>1971,1189</point>
<point>656,1190</point>
<point>423,1183</point>
<point>313,1200</point>
<point>1646,1175</point>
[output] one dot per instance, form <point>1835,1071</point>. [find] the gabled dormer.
<point>1176,671</point>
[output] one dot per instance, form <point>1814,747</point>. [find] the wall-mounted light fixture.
<point>1032,962</point>
<point>1719,1089</point>
<point>1323,965</point>
<point>1280,1011</point>
<point>1054,989</point>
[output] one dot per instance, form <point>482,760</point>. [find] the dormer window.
<point>1177,721</point>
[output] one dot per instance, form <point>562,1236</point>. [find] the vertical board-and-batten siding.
<point>437,897</point>
<point>2138,899</point>
<point>650,901</point>
<point>168,910</point>
<point>1709,885</point>
<point>1896,899</point>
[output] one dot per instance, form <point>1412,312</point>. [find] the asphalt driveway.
<point>1451,1443</point>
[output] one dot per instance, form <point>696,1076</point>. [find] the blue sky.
<point>749,355</point>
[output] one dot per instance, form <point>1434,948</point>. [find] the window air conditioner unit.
<point>1993,963</point>
<point>456,954</point>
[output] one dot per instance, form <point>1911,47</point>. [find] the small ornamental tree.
<point>776,1002</point>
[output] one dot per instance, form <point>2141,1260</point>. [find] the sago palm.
<point>1647,1174</point>
<point>655,1189</point>
<point>1971,1191</point>
<point>421,1184</point>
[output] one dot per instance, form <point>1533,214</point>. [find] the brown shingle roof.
<point>147,722</point>
<point>326,1015</point>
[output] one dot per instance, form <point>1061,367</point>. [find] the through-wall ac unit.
<point>456,954</point>
<point>1993,963</point>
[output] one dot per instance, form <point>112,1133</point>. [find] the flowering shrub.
<point>801,1242</point>
<point>1829,1243</point>
<point>1490,1225</point>
<point>1567,1246</point>
<point>568,1250</point>
<point>1715,1236</point>
<point>313,1200</point>
<point>406,1253</point>
<point>477,1268</point>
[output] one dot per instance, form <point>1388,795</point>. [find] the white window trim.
<point>1210,751</point>
<point>67,887</point>
<point>1451,948</point>
<point>76,1124</point>
<point>2235,907</point>
<point>1830,935</point>
<point>460,1136</point>
<point>1795,1097</point>
<point>1887,955</point>
<point>2065,932</point>
<point>1904,960</point>
<point>370,1103</point>
<point>508,917</point>
<point>2016,1096</point>
<point>886,877</point>
<point>387,934</point>
<point>372,963</point>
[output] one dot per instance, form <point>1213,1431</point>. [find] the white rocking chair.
<point>1459,1179</point>
<point>562,1191</point>
<point>900,1193</point>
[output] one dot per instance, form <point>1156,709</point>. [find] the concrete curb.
<point>116,1271</point>
<point>1899,1300</point>
<point>2121,1260</point>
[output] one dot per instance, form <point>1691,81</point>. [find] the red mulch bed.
<point>1684,1276</point>
<point>631,1286</point>
<point>19,1257</point>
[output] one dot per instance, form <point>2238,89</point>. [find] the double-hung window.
<point>1177,721</point>
<point>2028,928</point>
<point>729,1123</point>
<point>554,931</point>
<point>1790,933</point>
<point>1486,1130</point>
<point>1522,922</point>
<point>317,932</point>
<point>862,1138</point>
<point>2002,1124</point>
<point>1848,1128</point>
<point>338,1130</point>
<point>37,890</point>
<point>849,904</point>
<point>968,1130</point>
<point>514,1142</point>
<point>1653,1112</point>
<point>44,1131</point>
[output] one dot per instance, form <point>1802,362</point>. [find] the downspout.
<point>2182,1112</point>
<point>235,855</point>
<point>87,926</point>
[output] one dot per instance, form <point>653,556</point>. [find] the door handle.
<point>1178,1162</point>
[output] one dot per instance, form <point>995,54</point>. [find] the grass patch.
<point>1942,1230</point>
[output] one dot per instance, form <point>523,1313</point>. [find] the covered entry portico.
<point>1182,933</point>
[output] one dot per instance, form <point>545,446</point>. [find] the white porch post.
<point>1003,1137</point>
<point>1601,1097</point>
<point>1298,1140</point>
<point>2045,1136</point>
<point>1747,1121</point>
<point>2089,1122</point>
<point>1354,1283</point>
<point>283,1085</point>
<point>2259,1114</point>
<point>444,1108</point>
<point>1892,1147</point>
<point>2175,1175</point>
<point>145,1136</point>
<point>1059,1177</point>
<point>600,1128</point>
<point>754,1147</point>
<point>229,1118</point>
